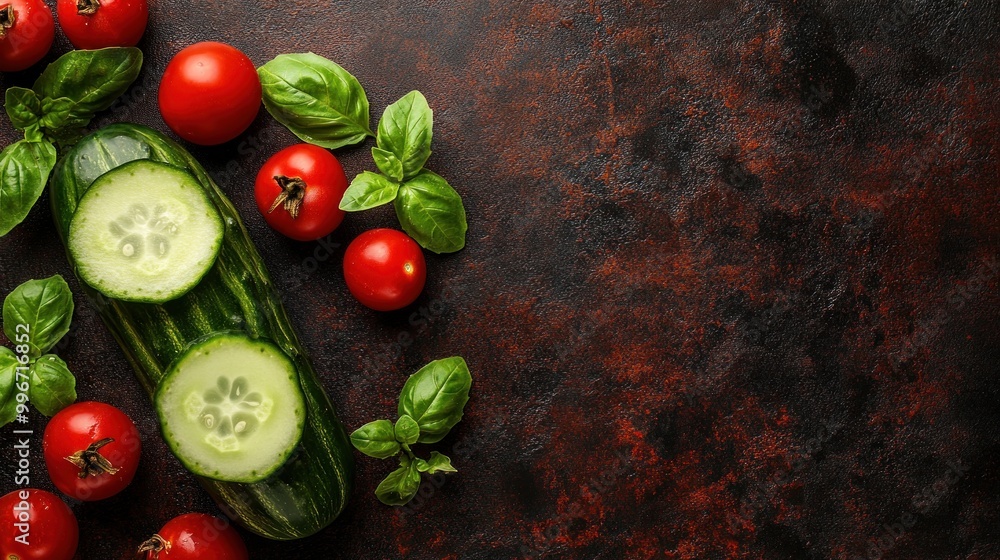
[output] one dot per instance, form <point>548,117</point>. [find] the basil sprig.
<point>431,403</point>
<point>55,112</point>
<point>36,316</point>
<point>429,209</point>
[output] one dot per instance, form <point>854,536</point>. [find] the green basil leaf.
<point>432,213</point>
<point>438,463</point>
<point>45,306</point>
<point>53,387</point>
<point>316,99</point>
<point>435,397</point>
<point>400,486</point>
<point>93,80</point>
<point>388,163</point>
<point>407,430</point>
<point>23,107</point>
<point>8,373</point>
<point>406,130</point>
<point>368,190</point>
<point>58,113</point>
<point>24,170</point>
<point>376,439</point>
<point>8,412</point>
<point>33,133</point>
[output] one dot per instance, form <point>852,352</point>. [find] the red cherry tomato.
<point>26,33</point>
<point>95,441</point>
<point>210,93</point>
<point>299,190</point>
<point>96,24</point>
<point>195,536</point>
<point>37,525</point>
<point>385,269</point>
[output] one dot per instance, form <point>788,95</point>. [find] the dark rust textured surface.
<point>730,289</point>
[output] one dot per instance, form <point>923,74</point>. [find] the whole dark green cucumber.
<point>312,488</point>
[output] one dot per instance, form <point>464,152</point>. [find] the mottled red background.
<point>730,288</point>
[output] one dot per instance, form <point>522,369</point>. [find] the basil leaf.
<point>388,163</point>
<point>8,373</point>
<point>406,130</point>
<point>368,190</point>
<point>34,133</point>
<point>23,107</point>
<point>400,486</point>
<point>53,387</point>
<point>9,410</point>
<point>431,212</point>
<point>435,397</point>
<point>24,170</point>
<point>437,463</point>
<point>92,80</point>
<point>376,439</point>
<point>45,306</point>
<point>58,113</point>
<point>407,430</point>
<point>316,99</point>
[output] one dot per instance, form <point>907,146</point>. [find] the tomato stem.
<point>87,7</point>
<point>91,462</point>
<point>293,191</point>
<point>7,19</point>
<point>155,544</point>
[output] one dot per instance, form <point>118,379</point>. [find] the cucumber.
<point>308,492</point>
<point>145,231</point>
<point>231,408</point>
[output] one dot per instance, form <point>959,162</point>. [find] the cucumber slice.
<point>145,232</point>
<point>231,408</point>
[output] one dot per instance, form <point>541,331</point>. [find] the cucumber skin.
<point>313,487</point>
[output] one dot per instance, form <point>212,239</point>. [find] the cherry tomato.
<point>385,269</point>
<point>299,190</point>
<point>37,525</point>
<point>91,450</point>
<point>195,536</point>
<point>210,93</point>
<point>96,24</point>
<point>26,33</point>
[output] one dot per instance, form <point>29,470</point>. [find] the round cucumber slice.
<point>231,408</point>
<point>145,232</point>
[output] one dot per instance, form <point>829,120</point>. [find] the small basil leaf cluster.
<point>36,316</point>
<point>431,404</point>
<point>55,112</point>
<point>324,104</point>
<point>428,208</point>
